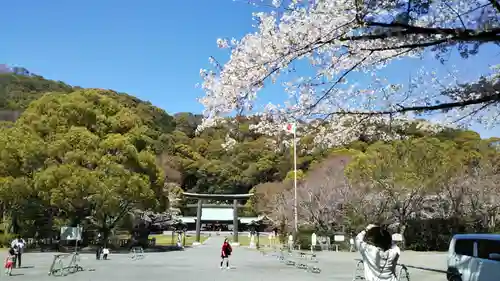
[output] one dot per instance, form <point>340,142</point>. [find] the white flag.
<point>290,127</point>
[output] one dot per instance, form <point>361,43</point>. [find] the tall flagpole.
<point>295,178</point>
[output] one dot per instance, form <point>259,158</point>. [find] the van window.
<point>464,247</point>
<point>486,247</point>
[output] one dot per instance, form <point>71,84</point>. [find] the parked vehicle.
<point>474,257</point>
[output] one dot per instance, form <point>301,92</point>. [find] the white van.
<point>474,257</point>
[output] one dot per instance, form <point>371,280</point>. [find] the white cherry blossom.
<point>336,38</point>
<point>229,143</point>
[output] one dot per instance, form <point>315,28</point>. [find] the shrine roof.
<point>217,196</point>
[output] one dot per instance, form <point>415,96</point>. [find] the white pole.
<point>295,178</point>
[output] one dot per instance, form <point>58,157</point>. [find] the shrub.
<point>6,239</point>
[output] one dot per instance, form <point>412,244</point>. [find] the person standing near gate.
<point>351,245</point>
<point>290,242</point>
<point>19,245</point>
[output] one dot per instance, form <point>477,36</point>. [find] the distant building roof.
<point>219,214</point>
<point>217,196</point>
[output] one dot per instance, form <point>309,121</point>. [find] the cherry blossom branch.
<point>455,34</point>
<point>495,4</point>
<point>408,46</point>
<point>339,80</point>
<point>491,99</point>
<point>341,37</point>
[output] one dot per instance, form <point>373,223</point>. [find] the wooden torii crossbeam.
<point>200,197</point>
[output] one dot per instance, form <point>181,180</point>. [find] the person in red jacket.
<point>225,253</point>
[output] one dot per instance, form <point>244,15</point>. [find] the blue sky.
<point>153,51</point>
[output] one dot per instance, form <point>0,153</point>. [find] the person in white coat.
<point>379,255</point>
<point>19,245</point>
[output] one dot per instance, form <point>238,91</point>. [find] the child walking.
<point>225,253</point>
<point>105,253</point>
<point>9,261</point>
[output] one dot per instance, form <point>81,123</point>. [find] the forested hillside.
<point>229,158</point>
<point>77,153</point>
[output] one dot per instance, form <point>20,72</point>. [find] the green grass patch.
<point>244,240</point>
<point>166,240</point>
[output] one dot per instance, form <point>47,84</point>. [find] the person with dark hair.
<point>225,253</point>
<point>378,253</point>
<point>18,245</point>
<point>98,252</point>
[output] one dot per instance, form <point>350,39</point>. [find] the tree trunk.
<point>105,231</point>
<point>15,226</point>
<point>2,210</point>
<point>105,236</point>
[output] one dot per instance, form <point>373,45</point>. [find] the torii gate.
<point>201,197</point>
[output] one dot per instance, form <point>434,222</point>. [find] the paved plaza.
<point>202,263</point>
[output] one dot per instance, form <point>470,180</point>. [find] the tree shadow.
<point>416,267</point>
<point>26,266</point>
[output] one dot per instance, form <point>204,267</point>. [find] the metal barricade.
<point>301,260</point>
<point>309,262</point>
<point>64,264</point>
<point>359,273</point>
<point>137,253</point>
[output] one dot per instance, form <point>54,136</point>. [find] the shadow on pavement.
<point>426,268</point>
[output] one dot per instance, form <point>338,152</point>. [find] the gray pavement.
<point>202,263</point>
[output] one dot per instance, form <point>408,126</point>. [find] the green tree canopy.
<point>85,154</point>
